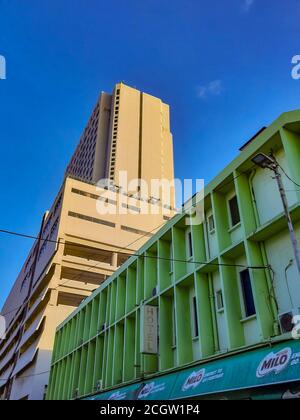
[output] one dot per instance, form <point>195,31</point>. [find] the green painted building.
<point>203,310</point>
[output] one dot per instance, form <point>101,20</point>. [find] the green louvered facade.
<point>194,275</point>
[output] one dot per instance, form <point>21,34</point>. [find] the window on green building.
<point>249,304</point>
<point>219,300</point>
<point>234,211</point>
<point>189,244</point>
<point>211,223</point>
<point>195,318</point>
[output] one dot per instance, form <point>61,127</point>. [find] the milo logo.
<point>274,362</point>
<point>193,380</point>
<point>116,396</point>
<point>146,390</point>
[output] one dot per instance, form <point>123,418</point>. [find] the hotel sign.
<point>149,329</point>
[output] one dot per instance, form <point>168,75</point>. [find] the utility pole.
<point>269,162</point>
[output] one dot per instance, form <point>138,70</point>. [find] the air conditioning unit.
<point>155,291</point>
<point>286,320</point>
<point>99,386</point>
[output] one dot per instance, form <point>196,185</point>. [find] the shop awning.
<point>271,365</point>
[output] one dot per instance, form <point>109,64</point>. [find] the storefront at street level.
<point>271,372</point>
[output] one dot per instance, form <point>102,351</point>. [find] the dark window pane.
<point>190,244</point>
<point>196,327</point>
<point>234,211</point>
<point>247,293</point>
<point>211,223</point>
<point>220,302</point>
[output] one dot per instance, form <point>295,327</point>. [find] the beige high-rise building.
<point>128,131</point>
<point>88,232</point>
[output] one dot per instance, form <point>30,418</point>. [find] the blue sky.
<point>223,66</point>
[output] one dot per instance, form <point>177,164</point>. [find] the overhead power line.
<point>287,175</point>
<point>77,276</point>
<point>147,256</point>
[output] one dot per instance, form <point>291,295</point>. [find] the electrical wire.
<point>234,178</point>
<point>24,235</point>
<point>143,255</point>
<point>129,255</point>
<point>27,376</point>
<point>287,175</point>
<point>77,276</point>
<point>73,278</point>
<point>121,248</point>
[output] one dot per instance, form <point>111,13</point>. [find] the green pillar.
<point>121,294</point>
<point>183,325</point>
<point>140,279</point>
<point>89,385</point>
<point>198,242</point>
<point>291,145</point>
<point>75,378</point>
<point>110,353</point>
<point>219,206</point>
<point>164,265</point>
<point>232,304</point>
<point>130,289</point>
<point>67,378</point>
<point>245,202</point>
<point>205,321</point>
<point>104,366</point>
<point>117,368</point>
<point>70,388</point>
<point>166,333</point>
<point>82,372</point>
<point>129,349</point>
<point>179,252</point>
<point>150,273</point>
<point>52,381</point>
<point>260,288</point>
<point>137,356</point>
<point>95,313</point>
<point>98,369</point>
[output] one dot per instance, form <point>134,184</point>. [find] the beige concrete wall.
<point>102,145</point>
<point>127,154</point>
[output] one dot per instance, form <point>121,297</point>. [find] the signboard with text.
<point>149,329</point>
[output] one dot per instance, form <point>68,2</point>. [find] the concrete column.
<point>183,326</point>
<point>245,202</point>
<point>232,305</point>
<point>205,322</point>
<point>166,333</point>
<point>219,206</point>
<point>260,289</point>
<point>129,350</point>
<point>114,259</point>
<point>291,145</point>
